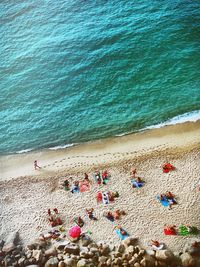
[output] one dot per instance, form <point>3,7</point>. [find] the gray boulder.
<point>11,242</point>
<point>52,262</point>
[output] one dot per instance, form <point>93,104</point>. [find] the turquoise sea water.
<point>75,71</point>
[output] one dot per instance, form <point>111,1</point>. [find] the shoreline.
<point>16,165</point>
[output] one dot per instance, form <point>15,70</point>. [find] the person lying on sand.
<point>155,243</point>
<point>109,216</point>
<point>90,214</point>
<point>79,221</point>
<point>170,229</point>
<point>117,214</point>
<point>54,219</point>
<point>75,187</point>
<point>66,185</point>
<point>122,231</point>
<point>167,167</point>
<point>133,172</point>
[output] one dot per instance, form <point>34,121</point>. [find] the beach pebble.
<point>52,262</point>
<point>121,248</point>
<point>129,241</point>
<point>187,260</point>
<point>72,249</point>
<point>85,240</point>
<point>62,264</point>
<point>82,263</point>
<point>105,250</point>
<point>130,249</point>
<point>21,261</point>
<point>60,245</point>
<point>11,242</point>
<point>164,255</point>
<point>51,252</point>
<point>103,259</point>
<point>132,261</point>
<point>37,254</point>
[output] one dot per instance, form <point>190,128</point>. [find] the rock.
<point>160,264</point>
<point>32,246</point>
<point>69,262</point>
<point>187,260</point>
<point>21,261</point>
<point>121,248</point>
<point>82,263</point>
<point>132,261</point>
<point>37,254</point>
<point>33,265</point>
<point>164,255</point>
<point>11,242</point>
<point>118,255</point>
<point>136,264</point>
<point>141,252</point>
<point>130,249</point>
<point>60,245</point>
<point>105,250</point>
<point>52,262</point>
<point>62,264</point>
<point>129,241</point>
<point>109,262</point>
<point>150,252</point>
<point>51,252</point>
<point>94,250</point>
<point>103,259</point>
<point>117,261</point>
<point>72,249</point>
<point>150,261</point>
<point>193,250</point>
<point>85,240</point>
<point>143,263</point>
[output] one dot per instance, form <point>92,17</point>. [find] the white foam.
<point>186,117</point>
<point>61,147</point>
<point>24,151</point>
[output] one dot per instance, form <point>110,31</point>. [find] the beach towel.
<point>136,184</point>
<point>84,186</point>
<point>99,196</point>
<point>122,237</point>
<point>75,189</point>
<point>164,202</point>
<point>169,232</point>
<point>105,198</point>
<point>184,231</point>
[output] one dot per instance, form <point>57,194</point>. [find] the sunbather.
<point>109,216</point>
<point>79,221</point>
<point>122,231</point>
<point>117,214</point>
<point>167,167</point>
<point>170,229</point>
<point>66,185</point>
<point>155,243</point>
<point>90,214</point>
<point>75,187</point>
<point>133,173</point>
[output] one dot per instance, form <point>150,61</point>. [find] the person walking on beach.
<point>36,166</point>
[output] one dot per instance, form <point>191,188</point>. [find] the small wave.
<point>186,117</point>
<point>24,151</point>
<point>61,147</point>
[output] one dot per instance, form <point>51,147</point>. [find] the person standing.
<point>36,166</point>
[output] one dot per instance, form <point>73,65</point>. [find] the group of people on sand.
<point>101,178</point>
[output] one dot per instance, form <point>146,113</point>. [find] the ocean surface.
<point>75,71</point>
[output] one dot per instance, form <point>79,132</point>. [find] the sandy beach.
<point>26,194</point>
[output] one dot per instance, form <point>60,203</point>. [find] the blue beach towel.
<point>75,189</point>
<point>122,237</point>
<point>136,184</point>
<point>164,202</point>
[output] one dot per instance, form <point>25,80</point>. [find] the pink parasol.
<point>74,232</point>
